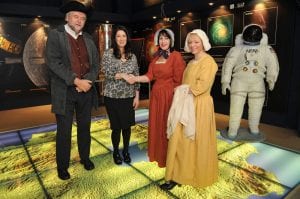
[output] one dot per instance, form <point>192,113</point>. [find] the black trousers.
<point>116,136</point>
<point>121,116</point>
<point>81,104</point>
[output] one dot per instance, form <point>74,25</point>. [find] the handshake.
<point>129,78</point>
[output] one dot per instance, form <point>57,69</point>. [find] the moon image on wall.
<point>33,57</point>
<point>220,30</point>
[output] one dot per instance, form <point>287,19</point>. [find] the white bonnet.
<point>170,32</point>
<point>203,37</point>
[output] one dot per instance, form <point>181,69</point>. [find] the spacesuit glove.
<point>225,86</point>
<point>271,85</point>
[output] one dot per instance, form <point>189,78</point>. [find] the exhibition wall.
<point>22,39</point>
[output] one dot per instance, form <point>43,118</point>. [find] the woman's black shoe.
<point>126,157</point>
<point>117,158</point>
<point>168,185</point>
<point>88,164</point>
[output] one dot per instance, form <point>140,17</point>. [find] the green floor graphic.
<point>246,170</point>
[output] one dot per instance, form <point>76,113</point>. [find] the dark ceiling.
<point>112,10</point>
<point>138,4</point>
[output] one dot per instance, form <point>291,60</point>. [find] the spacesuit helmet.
<point>252,34</point>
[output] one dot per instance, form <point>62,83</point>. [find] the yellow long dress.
<point>195,162</point>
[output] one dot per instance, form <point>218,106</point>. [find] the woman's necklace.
<point>123,58</point>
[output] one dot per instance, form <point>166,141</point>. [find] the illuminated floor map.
<point>28,169</point>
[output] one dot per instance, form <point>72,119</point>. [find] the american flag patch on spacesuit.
<point>272,50</point>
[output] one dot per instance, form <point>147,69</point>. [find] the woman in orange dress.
<point>195,161</point>
<point>166,71</point>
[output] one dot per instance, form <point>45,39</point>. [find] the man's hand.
<point>79,90</point>
<point>82,85</point>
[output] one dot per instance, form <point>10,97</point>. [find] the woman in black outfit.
<point>120,98</point>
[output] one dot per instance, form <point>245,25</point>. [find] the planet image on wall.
<point>220,30</point>
<point>34,57</point>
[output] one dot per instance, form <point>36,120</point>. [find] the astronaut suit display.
<point>245,67</point>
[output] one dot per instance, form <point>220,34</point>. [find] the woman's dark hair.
<point>114,45</point>
<point>164,33</point>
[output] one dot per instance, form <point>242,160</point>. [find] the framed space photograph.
<point>23,71</point>
<point>266,18</point>
<point>220,30</point>
<point>185,28</point>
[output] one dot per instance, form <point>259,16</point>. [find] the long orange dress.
<point>195,162</point>
<point>166,77</point>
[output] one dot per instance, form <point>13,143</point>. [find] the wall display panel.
<point>220,30</point>
<point>23,72</point>
<point>185,27</point>
<point>266,18</point>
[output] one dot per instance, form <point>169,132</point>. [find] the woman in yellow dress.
<point>195,161</point>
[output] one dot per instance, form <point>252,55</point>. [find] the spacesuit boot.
<point>236,110</point>
<point>232,132</point>
<point>255,103</point>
